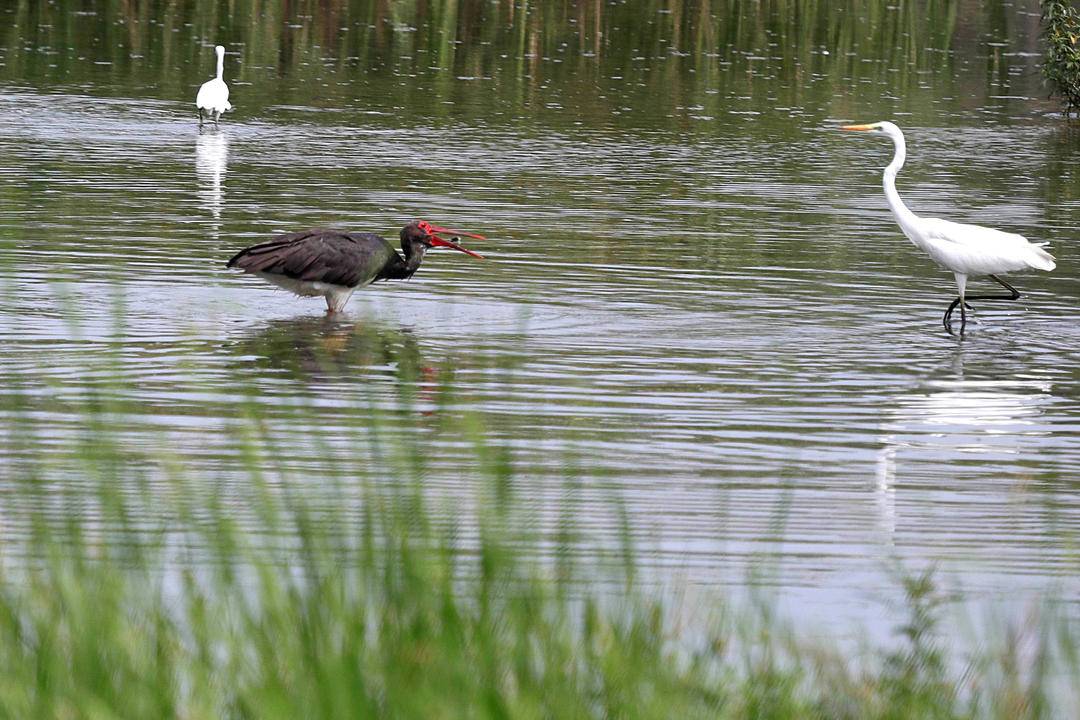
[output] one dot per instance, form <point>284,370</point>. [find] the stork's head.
<point>423,235</point>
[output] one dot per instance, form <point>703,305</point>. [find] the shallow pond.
<point>694,300</point>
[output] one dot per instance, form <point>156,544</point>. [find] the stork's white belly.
<point>307,288</point>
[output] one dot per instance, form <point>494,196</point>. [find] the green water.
<point>694,298</point>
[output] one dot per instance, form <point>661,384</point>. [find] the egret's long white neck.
<point>221,66</point>
<point>904,217</point>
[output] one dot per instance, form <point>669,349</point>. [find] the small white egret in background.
<point>213,97</point>
<point>964,249</point>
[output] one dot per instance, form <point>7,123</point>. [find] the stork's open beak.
<point>858,127</point>
<point>437,241</point>
<point>436,229</point>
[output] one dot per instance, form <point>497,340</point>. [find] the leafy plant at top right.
<point>1062,63</point>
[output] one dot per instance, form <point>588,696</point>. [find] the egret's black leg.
<point>200,118</point>
<point>1014,294</point>
<point>947,320</point>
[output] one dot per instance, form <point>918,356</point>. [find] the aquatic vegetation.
<point>326,51</point>
<point>145,586</point>
<point>1061,65</point>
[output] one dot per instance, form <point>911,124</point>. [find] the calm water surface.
<point>695,300</point>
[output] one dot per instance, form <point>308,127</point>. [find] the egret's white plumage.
<point>966,250</point>
<point>213,97</point>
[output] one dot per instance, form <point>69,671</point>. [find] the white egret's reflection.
<point>885,490</point>
<point>943,418</point>
<point>974,415</point>
<point>211,159</point>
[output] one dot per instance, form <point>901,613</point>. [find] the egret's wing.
<point>975,236</point>
<point>202,100</point>
<point>979,250</point>
<point>213,95</point>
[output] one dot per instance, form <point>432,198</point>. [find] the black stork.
<point>334,263</point>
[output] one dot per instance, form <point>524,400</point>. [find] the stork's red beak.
<point>437,241</point>
<point>434,229</point>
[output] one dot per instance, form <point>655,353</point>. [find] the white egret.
<point>964,249</point>
<point>213,97</point>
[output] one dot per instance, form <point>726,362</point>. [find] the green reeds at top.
<point>164,44</point>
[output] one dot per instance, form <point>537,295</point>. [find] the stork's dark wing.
<point>329,256</point>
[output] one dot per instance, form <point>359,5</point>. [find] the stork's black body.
<point>334,263</point>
